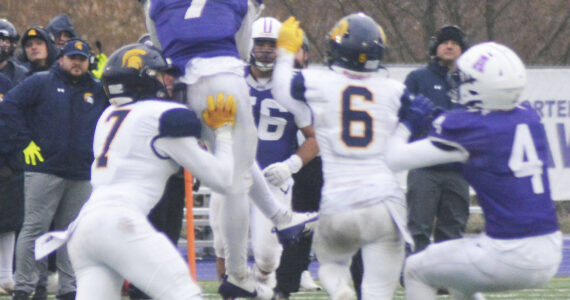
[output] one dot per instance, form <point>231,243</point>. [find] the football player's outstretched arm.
<point>289,42</point>
<point>215,171</point>
<point>400,155</point>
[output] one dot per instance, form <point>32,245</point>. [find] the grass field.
<point>558,288</point>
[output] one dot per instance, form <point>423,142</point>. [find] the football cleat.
<point>300,223</point>
<point>6,288</point>
<point>246,288</point>
<point>307,283</point>
<point>344,293</point>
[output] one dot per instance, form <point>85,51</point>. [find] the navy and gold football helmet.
<point>356,43</point>
<point>134,72</point>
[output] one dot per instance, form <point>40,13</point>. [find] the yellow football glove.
<point>31,153</point>
<point>221,112</point>
<point>101,61</point>
<point>290,36</point>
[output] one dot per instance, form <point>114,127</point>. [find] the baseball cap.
<point>76,47</point>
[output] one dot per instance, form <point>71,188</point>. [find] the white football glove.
<point>278,173</point>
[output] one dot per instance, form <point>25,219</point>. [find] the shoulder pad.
<point>179,122</point>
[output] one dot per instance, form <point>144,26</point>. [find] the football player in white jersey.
<point>140,141</point>
<point>503,147</point>
<point>209,62</point>
<point>355,110</point>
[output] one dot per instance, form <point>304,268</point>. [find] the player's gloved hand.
<point>220,112</point>
<point>32,153</point>
<point>101,59</point>
<point>416,112</point>
<point>278,173</point>
<point>290,36</point>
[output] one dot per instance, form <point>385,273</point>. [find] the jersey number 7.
<point>195,9</point>
<point>117,117</point>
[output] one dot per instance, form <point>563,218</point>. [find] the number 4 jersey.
<point>507,151</point>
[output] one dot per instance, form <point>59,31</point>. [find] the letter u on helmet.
<point>266,28</point>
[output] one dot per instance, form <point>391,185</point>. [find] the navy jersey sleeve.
<point>298,86</point>
<point>179,122</point>
<point>459,129</point>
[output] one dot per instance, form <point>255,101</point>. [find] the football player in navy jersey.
<point>205,40</point>
<point>503,147</point>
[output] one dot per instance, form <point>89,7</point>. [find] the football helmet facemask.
<point>356,43</point>
<point>134,72</point>
<point>489,76</point>
<point>264,30</point>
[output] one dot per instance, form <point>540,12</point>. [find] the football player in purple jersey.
<point>503,148</point>
<point>205,40</point>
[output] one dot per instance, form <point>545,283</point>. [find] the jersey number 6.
<point>356,124</point>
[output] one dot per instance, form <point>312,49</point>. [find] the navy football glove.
<point>416,112</point>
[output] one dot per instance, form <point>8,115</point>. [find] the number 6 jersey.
<point>353,118</point>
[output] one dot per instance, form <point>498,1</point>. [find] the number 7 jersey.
<point>506,167</point>
<point>353,119</point>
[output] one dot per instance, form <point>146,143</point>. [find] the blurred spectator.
<point>11,207</point>
<point>10,66</point>
<point>57,185</point>
<point>39,49</point>
<point>61,30</point>
<point>437,196</point>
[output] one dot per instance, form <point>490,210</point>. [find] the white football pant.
<point>338,237</point>
<point>266,248</point>
<point>111,244</point>
<point>234,209</point>
<point>470,265</point>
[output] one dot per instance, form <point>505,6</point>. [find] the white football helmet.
<point>264,29</point>
<point>490,76</point>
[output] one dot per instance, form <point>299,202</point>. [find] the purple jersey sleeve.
<point>506,167</point>
<point>188,29</point>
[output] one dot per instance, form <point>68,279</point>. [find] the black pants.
<point>306,198</point>
<point>436,195</point>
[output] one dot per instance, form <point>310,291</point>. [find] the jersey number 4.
<point>117,117</point>
<point>524,161</point>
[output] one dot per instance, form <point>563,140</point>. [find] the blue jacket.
<point>431,81</point>
<point>59,116</point>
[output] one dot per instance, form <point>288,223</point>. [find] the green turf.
<point>558,288</point>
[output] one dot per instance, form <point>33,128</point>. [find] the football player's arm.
<point>278,173</point>
<point>400,155</point>
<point>178,139</point>
<point>214,171</point>
<point>288,87</point>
